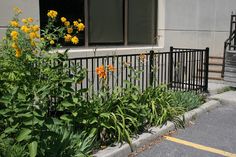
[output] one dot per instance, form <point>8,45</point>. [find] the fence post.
<point>170,67</point>
<point>151,68</point>
<point>206,68</point>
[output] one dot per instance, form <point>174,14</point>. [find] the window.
<point>71,9</point>
<point>109,22</point>
<point>142,21</point>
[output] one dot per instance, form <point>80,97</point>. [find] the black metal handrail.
<point>228,42</point>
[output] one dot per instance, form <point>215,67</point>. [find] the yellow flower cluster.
<point>67,37</point>
<point>30,19</point>
<point>17,10</point>
<point>18,53</point>
<point>17,49</point>
<point>24,21</point>
<point>14,35</point>
<point>69,30</point>
<point>67,23</point>
<point>75,40</point>
<point>63,19</point>
<point>52,14</point>
<point>30,29</point>
<point>14,23</point>
<point>79,25</point>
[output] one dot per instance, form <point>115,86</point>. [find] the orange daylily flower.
<point>111,68</point>
<point>101,72</point>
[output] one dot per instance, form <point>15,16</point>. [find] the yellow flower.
<point>79,20</point>
<point>52,42</point>
<point>35,28</point>
<point>42,39</point>
<point>30,19</point>
<point>52,14</point>
<point>18,53</point>
<point>25,29</point>
<point>32,35</point>
<point>14,23</point>
<point>17,10</point>
<point>37,35</point>
<point>63,19</point>
<point>24,20</point>
<point>32,43</point>
<point>81,27</point>
<point>69,30</point>
<point>76,23</point>
<point>14,35</point>
<point>75,40</point>
<point>14,45</point>
<point>67,23</point>
<point>67,37</point>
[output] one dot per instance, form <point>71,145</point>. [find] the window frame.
<point>125,27</point>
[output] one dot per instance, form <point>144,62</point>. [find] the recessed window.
<point>109,22</point>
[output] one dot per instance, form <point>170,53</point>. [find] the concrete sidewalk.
<point>215,131</point>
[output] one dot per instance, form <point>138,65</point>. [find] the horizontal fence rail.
<point>180,69</point>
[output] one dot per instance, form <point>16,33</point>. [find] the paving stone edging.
<point>145,138</point>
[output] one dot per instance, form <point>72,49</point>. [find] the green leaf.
<point>67,104</point>
<point>135,97</point>
<point>105,115</point>
<point>11,129</point>
<point>67,80</point>
<point>69,90</point>
<point>21,97</point>
<point>33,148</point>
<point>24,134</point>
<point>75,100</point>
<point>65,118</point>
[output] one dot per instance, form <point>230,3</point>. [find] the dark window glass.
<point>71,9</point>
<point>106,22</point>
<point>141,21</point>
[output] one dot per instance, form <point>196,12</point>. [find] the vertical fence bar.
<point>117,71</point>
<point>147,71</point>
<point>135,66</point>
<point>189,71</point>
<point>206,69</point>
<point>170,67</point>
<point>151,67</point>
<point>92,72</point>
<point>165,77</point>
<point>202,70</point>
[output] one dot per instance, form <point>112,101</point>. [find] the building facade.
<point>135,26</point>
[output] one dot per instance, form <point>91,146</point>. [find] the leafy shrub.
<point>187,100</point>
<point>36,91</point>
<point>159,110</point>
<point>41,114</point>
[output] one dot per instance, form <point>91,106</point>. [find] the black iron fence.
<point>179,69</point>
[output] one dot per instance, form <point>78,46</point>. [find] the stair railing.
<point>231,41</point>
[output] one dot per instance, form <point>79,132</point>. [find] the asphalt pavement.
<point>211,135</point>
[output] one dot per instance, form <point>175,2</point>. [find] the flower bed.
<point>42,115</point>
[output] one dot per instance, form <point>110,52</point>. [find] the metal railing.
<point>230,43</point>
<point>180,69</point>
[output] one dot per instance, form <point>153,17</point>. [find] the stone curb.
<point>226,98</point>
<point>145,138</point>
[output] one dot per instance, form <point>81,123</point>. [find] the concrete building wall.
<point>29,8</point>
<point>195,23</point>
<point>181,23</point>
